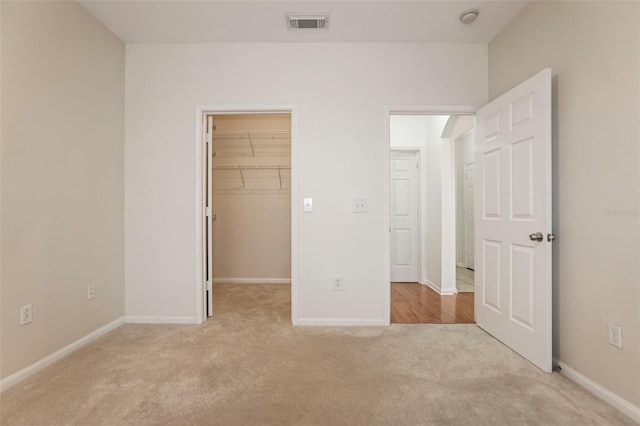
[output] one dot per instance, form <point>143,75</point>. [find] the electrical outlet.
<point>26,314</point>
<point>615,335</point>
<point>359,205</point>
<point>91,291</point>
<point>337,283</point>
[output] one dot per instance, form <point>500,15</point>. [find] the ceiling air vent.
<point>307,22</point>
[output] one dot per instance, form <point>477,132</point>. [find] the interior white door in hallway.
<point>404,216</point>
<point>513,219</point>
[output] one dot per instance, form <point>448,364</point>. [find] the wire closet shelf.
<point>252,143</point>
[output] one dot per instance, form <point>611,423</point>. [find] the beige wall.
<point>62,177</point>
<point>252,233</point>
<point>593,49</point>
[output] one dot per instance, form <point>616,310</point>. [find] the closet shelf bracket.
<point>253,153</point>
<point>280,177</point>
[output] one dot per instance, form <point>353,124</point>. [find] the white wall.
<point>433,191</point>
<point>62,177</point>
<point>340,91</point>
<point>407,131</point>
<point>593,49</point>
<point>464,123</point>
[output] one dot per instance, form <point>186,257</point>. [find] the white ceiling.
<point>138,21</point>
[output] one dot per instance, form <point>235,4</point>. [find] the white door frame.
<point>422,264</point>
<point>390,110</point>
<point>201,111</point>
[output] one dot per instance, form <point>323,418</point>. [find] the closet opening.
<point>247,215</point>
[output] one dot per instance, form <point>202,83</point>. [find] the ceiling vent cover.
<point>307,22</point>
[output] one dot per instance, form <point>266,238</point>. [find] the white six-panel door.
<point>404,216</point>
<point>513,205</point>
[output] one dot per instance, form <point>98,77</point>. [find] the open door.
<point>513,219</point>
<point>209,217</point>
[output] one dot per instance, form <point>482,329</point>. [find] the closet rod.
<point>248,167</point>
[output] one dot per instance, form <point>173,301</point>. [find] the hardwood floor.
<point>413,303</point>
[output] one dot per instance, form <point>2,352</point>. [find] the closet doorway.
<point>247,201</point>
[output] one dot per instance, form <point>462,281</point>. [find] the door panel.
<point>403,247</point>
<point>522,161</point>
<point>491,182</point>
<point>490,295</point>
<point>402,197</point>
<point>522,285</point>
<point>404,216</point>
<point>513,200</point>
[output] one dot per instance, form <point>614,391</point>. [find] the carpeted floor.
<point>249,366</point>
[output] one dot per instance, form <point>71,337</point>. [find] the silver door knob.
<point>536,237</point>
<point>551,237</point>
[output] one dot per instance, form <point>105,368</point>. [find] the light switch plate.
<point>308,205</point>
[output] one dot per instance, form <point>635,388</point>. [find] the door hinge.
<point>209,138</point>
<point>207,211</point>
<point>209,286</point>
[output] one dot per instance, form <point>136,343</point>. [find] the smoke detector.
<point>307,22</point>
<point>469,16</point>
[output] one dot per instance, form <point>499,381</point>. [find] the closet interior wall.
<point>252,198</point>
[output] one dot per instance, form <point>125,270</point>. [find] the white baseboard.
<point>607,396</point>
<point>440,291</point>
<point>253,280</point>
<point>159,320</point>
<point>432,286</point>
<point>337,322</point>
<point>17,377</point>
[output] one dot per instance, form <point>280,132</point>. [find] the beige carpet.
<point>249,366</point>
